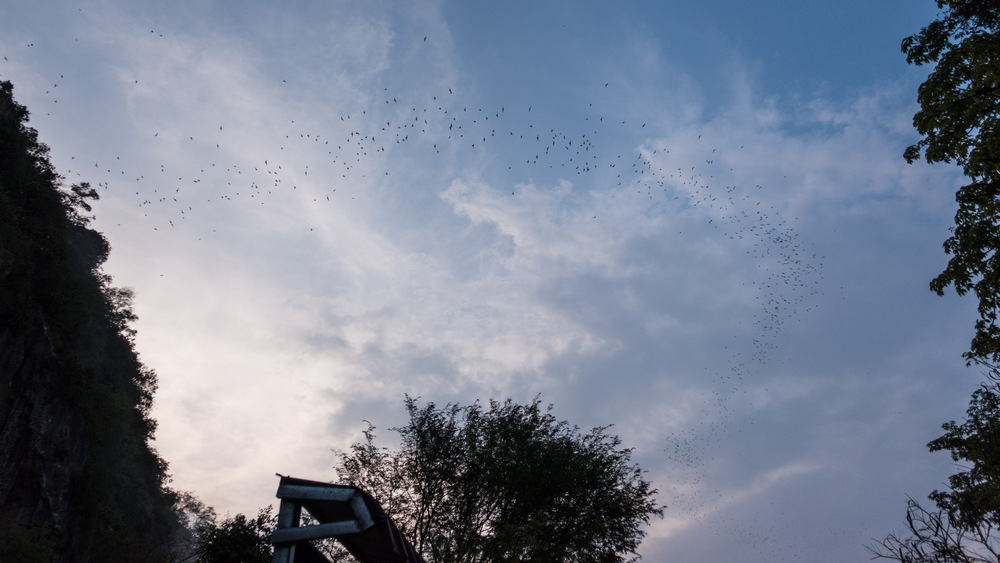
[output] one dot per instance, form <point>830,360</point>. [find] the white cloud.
<point>749,306</point>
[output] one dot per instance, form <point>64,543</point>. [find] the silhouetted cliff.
<point>78,478</point>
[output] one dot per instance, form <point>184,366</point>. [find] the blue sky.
<point>689,220</point>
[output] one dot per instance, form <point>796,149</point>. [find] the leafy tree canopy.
<point>974,493</point>
<point>964,525</point>
<point>959,120</point>
<point>238,539</point>
<point>511,483</point>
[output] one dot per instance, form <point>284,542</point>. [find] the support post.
<point>289,515</point>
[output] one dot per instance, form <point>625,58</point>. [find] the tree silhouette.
<point>959,122</point>
<point>511,483</point>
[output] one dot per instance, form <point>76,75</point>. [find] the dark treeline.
<point>79,480</point>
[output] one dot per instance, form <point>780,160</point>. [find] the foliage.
<point>236,540</point>
<point>964,524</point>
<point>959,122</point>
<point>935,536</point>
<point>974,494</point>
<point>24,544</point>
<point>192,515</point>
<point>511,483</point>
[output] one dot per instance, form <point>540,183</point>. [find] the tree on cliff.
<point>510,483</point>
<point>79,480</point>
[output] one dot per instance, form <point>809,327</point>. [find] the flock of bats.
<point>325,159</point>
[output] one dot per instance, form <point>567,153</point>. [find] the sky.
<point>691,220</point>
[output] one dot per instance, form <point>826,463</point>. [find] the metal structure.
<point>343,512</point>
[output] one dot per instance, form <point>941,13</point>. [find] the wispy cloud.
<point>321,211</point>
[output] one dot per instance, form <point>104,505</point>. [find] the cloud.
<point>736,281</point>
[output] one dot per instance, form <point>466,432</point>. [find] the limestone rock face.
<point>79,480</point>
<point>42,436</point>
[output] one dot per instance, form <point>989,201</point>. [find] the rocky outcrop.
<point>79,480</point>
<point>42,436</point>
